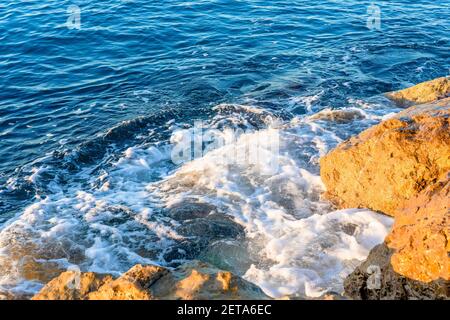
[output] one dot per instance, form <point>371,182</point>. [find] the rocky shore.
<point>400,167</point>
<point>192,281</point>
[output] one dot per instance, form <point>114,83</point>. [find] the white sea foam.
<point>302,247</point>
<point>312,256</point>
<point>306,101</point>
<point>295,244</point>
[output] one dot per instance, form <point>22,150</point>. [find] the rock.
<point>338,115</point>
<point>192,281</point>
<point>390,163</point>
<point>431,109</point>
<point>421,235</point>
<point>132,285</point>
<point>401,167</point>
<point>375,279</point>
<point>200,281</point>
<point>72,285</point>
<point>422,93</point>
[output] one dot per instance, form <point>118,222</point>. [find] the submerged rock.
<point>375,279</point>
<point>338,115</point>
<point>191,281</point>
<point>422,93</point>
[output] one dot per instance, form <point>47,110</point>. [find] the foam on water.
<point>144,209</point>
<point>301,246</point>
<point>312,256</point>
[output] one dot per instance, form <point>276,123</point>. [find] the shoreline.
<point>427,122</point>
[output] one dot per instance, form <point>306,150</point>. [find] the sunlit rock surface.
<point>71,285</point>
<point>421,235</point>
<point>422,93</point>
<point>392,162</point>
<point>192,281</point>
<point>401,167</point>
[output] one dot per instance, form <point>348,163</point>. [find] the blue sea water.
<point>74,101</point>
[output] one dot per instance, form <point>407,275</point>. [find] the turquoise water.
<point>73,101</point>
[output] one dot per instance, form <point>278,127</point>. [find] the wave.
<point>251,204</point>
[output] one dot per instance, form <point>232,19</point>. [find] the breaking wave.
<point>131,204</point>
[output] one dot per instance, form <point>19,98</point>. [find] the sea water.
<point>91,112</point>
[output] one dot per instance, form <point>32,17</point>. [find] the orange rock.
<point>132,285</point>
<point>422,93</point>
<point>392,162</point>
<point>421,235</point>
<point>401,167</point>
<point>72,285</point>
<point>199,281</point>
<point>192,281</point>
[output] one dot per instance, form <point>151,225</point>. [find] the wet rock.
<point>32,260</point>
<point>211,229</point>
<point>375,279</point>
<point>422,93</point>
<point>392,162</point>
<point>191,281</point>
<point>188,210</point>
<point>338,115</point>
<point>200,232</point>
<point>199,281</point>
<point>229,255</point>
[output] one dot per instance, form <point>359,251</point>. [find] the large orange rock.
<point>422,93</point>
<point>392,162</point>
<point>421,235</point>
<point>401,167</point>
<point>191,281</point>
